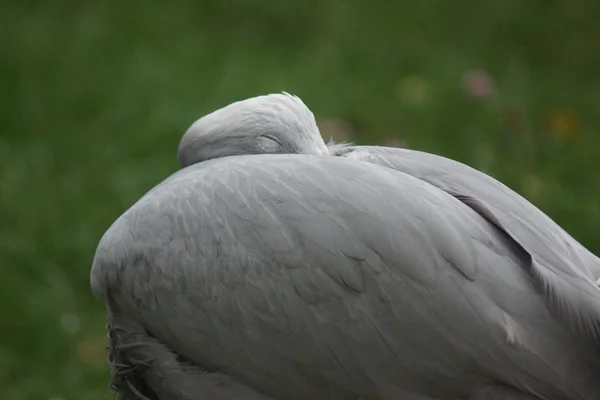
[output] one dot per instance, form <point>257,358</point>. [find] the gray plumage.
<point>343,273</point>
<point>271,124</point>
<point>563,267</point>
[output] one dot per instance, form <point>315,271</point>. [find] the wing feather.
<point>318,277</point>
<point>564,270</point>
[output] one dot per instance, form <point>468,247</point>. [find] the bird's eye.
<point>273,138</point>
<point>269,143</point>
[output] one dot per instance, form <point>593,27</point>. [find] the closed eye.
<point>273,138</point>
<point>269,144</point>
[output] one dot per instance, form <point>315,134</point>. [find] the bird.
<point>274,266</point>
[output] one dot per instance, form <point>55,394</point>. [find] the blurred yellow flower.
<point>532,186</point>
<point>92,350</point>
<point>412,90</point>
<point>564,125</point>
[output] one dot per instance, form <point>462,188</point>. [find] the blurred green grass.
<point>95,97</point>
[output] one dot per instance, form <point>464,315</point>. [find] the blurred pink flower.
<point>479,84</point>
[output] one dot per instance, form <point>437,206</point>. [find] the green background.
<point>95,96</point>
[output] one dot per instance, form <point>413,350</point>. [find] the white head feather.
<point>274,123</point>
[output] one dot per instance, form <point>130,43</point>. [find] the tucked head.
<point>270,124</point>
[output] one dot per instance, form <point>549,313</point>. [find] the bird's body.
<point>527,223</point>
<point>369,273</point>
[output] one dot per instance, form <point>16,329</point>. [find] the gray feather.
<point>565,271</point>
<point>319,277</point>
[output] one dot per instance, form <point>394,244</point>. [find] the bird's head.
<point>269,124</point>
